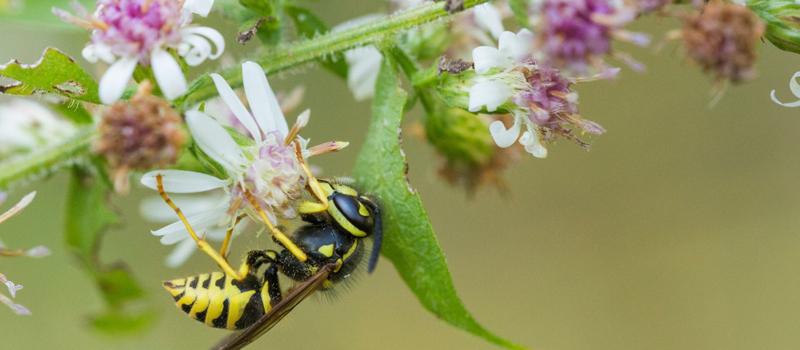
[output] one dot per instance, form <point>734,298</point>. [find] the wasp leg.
<point>272,286</point>
<point>279,236</point>
<point>201,242</point>
<point>313,184</point>
<point>225,248</point>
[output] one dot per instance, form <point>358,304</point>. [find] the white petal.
<point>517,46</point>
<point>24,202</point>
<point>262,100</point>
<point>237,107</point>
<point>199,7</point>
<point>194,49</point>
<point>794,87</point>
<point>181,253</point>
<point>488,93</point>
<point>168,74</point>
<point>174,232</point>
<point>487,58</point>
<point>98,52</point>
<point>365,63</point>
<point>503,137</point>
<point>116,78</point>
<point>215,141</point>
<point>154,209</point>
<point>181,181</point>
<point>489,19</point>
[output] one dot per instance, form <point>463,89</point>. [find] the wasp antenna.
<point>377,235</point>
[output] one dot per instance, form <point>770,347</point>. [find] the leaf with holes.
<point>409,240</point>
<point>54,73</point>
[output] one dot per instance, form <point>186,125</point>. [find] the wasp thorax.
<point>722,39</point>
<point>139,134</point>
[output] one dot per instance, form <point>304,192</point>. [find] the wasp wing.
<point>265,323</point>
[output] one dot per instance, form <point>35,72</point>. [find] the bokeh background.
<point>679,230</point>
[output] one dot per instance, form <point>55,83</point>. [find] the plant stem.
<point>46,160</point>
<point>304,51</point>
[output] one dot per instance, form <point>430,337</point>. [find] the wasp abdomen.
<point>218,300</point>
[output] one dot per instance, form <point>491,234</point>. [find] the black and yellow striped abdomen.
<point>219,300</point>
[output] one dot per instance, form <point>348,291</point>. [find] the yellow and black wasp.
<point>325,250</point>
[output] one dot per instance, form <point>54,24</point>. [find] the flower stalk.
<point>308,50</point>
<point>202,89</point>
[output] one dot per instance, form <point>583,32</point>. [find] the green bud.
<point>783,22</point>
<point>426,42</point>
<point>264,8</point>
<point>460,136</point>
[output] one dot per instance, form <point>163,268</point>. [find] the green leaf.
<point>87,218</point>
<point>409,242</point>
<point>520,10</point>
<point>54,73</point>
<point>309,25</point>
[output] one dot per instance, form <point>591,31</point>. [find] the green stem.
<point>46,160</point>
<point>305,51</point>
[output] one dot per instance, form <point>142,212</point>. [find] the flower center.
<point>275,177</point>
<point>136,27</point>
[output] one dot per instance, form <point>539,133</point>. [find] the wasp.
<point>326,249</point>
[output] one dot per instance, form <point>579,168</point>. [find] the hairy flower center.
<point>275,176</point>
<point>136,27</point>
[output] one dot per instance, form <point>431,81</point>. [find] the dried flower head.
<point>139,134</point>
<point>722,38</point>
<point>130,32</point>
<point>576,35</point>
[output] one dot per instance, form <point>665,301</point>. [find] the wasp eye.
<point>354,211</point>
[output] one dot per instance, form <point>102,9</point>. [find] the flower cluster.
<point>35,252</point>
<point>507,79</point>
<point>576,35</point>
<point>127,33</point>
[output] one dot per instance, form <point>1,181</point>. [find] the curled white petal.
<point>489,19</point>
<point>794,87</point>
<point>199,7</point>
<point>196,44</point>
<point>237,107</point>
<point>182,181</point>
<point>168,74</point>
<point>176,231</point>
<point>533,145</point>
<point>489,93</point>
<point>116,78</point>
<point>503,137</point>
<point>262,100</point>
<point>12,288</point>
<point>38,251</point>
<point>517,46</point>
<point>365,63</point>
<point>215,141</point>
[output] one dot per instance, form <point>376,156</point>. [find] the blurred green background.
<point>677,231</point>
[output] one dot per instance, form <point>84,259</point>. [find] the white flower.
<point>489,19</point>
<point>26,125</point>
<point>268,168</point>
<point>127,33</point>
<point>794,87</point>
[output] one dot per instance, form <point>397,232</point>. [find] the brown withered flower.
<point>139,134</point>
<point>722,38</point>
